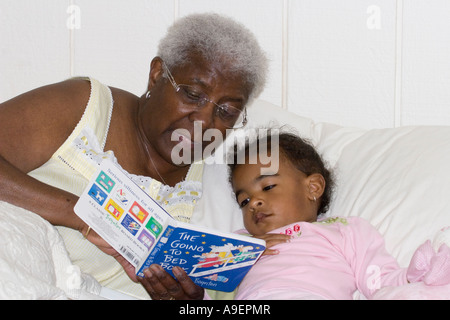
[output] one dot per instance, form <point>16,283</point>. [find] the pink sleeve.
<point>373,266</point>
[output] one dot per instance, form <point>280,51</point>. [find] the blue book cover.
<point>213,260</point>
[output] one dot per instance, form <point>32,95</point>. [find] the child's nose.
<point>256,203</point>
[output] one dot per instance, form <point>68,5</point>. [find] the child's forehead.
<point>271,165</point>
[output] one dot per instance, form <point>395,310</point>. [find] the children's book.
<point>135,225</point>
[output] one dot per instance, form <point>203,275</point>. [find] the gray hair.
<point>217,39</point>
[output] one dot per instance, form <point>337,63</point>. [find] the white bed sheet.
<point>34,262</point>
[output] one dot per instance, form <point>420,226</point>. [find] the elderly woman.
<point>52,138</point>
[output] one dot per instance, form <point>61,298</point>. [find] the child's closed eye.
<point>269,187</point>
<point>243,203</point>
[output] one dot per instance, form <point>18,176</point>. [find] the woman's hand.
<point>104,246</point>
<point>273,239</point>
<point>161,286</point>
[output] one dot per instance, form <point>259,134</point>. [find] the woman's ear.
<point>316,185</point>
<point>156,72</point>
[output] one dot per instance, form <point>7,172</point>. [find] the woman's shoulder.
<point>40,120</point>
<point>67,98</point>
<point>124,99</point>
<point>75,91</point>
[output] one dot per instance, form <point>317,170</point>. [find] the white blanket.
<point>34,263</point>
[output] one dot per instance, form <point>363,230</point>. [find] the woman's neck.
<point>155,165</point>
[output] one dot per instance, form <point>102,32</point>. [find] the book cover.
<point>217,261</point>
<point>144,233</point>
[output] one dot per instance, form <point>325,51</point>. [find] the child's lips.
<point>259,217</point>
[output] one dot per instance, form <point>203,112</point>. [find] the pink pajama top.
<point>330,259</point>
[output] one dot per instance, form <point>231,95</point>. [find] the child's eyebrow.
<point>257,179</point>
<point>263,176</point>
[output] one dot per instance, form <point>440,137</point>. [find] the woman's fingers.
<point>159,284</point>
<point>191,290</point>
<point>162,286</point>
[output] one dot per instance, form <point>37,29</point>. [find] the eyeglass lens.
<point>229,115</point>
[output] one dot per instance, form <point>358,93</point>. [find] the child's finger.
<point>270,252</point>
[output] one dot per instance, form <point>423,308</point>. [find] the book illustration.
<point>121,197</point>
<point>114,209</point>
<point>97,194</point>
<point>139,212</point>
<point>147,239</point>
<point>216,277</point>
<point>144,233</point>
<point>131,225</point>
<point>220,257</point>
<point>105,181</point>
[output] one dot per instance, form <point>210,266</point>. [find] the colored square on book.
<point>114,209</point>
<point>97,194</point>
<point>105,181</point>
<point>154,226</point>
<point>131,225</point>
<point>139,212</point>
<point>146,239</point>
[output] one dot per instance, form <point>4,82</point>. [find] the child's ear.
<point>316,185</point>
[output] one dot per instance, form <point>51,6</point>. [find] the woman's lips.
<point>185,140</point>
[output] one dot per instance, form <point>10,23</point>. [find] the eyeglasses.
<point>229,116</point>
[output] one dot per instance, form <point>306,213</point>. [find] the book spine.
<point>156,249</point>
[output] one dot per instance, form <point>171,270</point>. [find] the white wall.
<point>367,63</point>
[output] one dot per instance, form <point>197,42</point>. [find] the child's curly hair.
<point>302,155</point>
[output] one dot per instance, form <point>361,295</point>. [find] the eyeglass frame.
<point>206,98</point>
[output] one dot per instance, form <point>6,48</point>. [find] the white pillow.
<point>399,180</point>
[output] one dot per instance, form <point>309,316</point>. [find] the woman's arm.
<point>32,127</point>
<point>52,204</point>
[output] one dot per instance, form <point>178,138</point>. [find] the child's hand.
<point>273,239</point>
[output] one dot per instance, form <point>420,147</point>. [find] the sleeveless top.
<point>71,167</point>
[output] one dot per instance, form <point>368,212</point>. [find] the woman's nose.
<point>204,115</point>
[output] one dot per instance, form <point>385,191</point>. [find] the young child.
<point>325,259</point>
